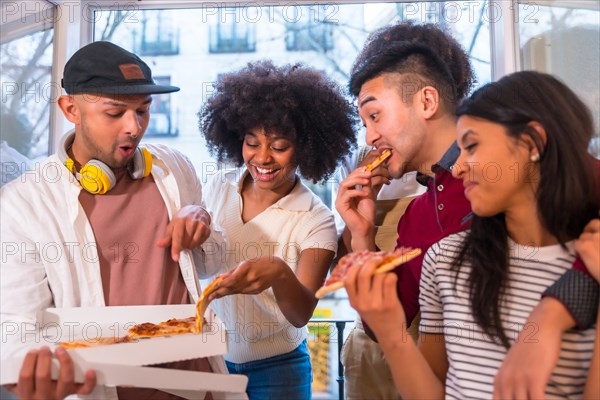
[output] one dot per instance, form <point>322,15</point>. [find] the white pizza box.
<point>123,364</point>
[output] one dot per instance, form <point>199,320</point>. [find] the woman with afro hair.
<point>275,124</point>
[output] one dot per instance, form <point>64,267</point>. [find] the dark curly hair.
<point>295,101</point>
<point>425,68</point>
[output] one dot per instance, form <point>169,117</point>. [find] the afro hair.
<point>294,101</point>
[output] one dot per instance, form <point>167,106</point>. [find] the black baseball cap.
<point>105,68</point>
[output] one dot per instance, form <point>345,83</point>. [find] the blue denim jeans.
<point>284,377</point>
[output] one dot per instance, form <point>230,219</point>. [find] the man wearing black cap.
<point>125,222</point>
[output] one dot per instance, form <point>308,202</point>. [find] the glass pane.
<point>26,93</point>
<point>152,43</point>
<point>254,33</point>
<point>565,42</point>
<point>228,34</point>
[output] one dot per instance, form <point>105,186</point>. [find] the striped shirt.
<point>473,358</point>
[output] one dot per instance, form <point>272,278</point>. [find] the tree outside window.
<point>310,30</point>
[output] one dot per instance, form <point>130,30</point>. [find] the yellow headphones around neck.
<point>97,177</point>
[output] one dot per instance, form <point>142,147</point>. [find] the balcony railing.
<point>340,326</point>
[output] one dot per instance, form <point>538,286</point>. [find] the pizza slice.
<point>390,260</point>
<point>185,323</point>
<point>96,342</point>
<point>168,328</point>
<point>377,162</point>
<point>202,303</point>
<point>145,330</point>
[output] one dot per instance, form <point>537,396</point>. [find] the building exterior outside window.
<point>230,36</point>
<point>311,31</point>
<point>159,35</point>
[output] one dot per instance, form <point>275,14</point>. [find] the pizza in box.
<point>148,330</point>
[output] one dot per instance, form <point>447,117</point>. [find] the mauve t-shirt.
<point>127,221</point>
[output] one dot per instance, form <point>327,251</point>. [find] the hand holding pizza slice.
<point>379,160</point>
<point>390,260</point>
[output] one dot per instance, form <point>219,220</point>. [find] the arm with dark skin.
<point>530,361</point>
<point>294,292</point>
<point>592,385</point>
<point>588,248</point>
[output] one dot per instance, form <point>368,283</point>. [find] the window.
<point>309,30</point>
<point>228,35</point>
<point>161,123</point>
<point>159,35</point>
<point>552,37</point>
<point>326,37</point>
<point>26,93</point>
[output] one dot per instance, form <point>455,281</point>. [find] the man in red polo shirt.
<point>408,80</point>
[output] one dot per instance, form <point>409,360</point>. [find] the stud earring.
<point>535,157</point>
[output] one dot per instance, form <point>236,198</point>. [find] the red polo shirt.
<point>437,213</point>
